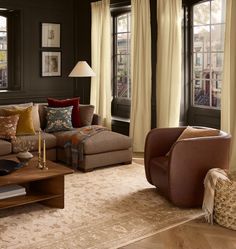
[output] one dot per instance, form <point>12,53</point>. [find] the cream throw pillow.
<point>191,132</point>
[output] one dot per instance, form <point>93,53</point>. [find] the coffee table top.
<point>30,173</point>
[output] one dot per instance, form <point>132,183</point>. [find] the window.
<point>3,52</point>
<point>10,50</point>
<point>208,32</point>
<point>121,83</point>
<point>121,56</point>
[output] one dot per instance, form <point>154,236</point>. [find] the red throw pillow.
<point>75,118</point>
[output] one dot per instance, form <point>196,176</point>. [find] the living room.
<point>115,194</point>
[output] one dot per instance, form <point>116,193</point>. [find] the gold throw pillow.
<point>25,124</point>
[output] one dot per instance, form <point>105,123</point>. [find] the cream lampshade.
<point>82,69</point>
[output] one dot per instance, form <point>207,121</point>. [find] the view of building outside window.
<point>3,52</point>
<point>208,53</point>
<point>121,56</point>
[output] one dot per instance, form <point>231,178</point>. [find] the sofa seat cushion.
<point>5,147</point>
<point>106,141</point>
<point>101,142</point>
<point>32,142</point>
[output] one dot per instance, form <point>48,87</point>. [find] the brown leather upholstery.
<point>180,176</point>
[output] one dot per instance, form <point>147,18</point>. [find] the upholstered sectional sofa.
<point>102,149</point>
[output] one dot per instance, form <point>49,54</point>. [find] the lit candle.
<point>39,145</point>
<point>44,151</point>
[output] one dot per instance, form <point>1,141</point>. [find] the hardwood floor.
<point>195,234</point>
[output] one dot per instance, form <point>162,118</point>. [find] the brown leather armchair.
<point>180,175</point>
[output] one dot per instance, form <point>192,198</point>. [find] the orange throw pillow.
<point>8,126</point>
<point>25,124</point>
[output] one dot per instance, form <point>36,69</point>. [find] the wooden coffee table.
<point>44,186</point>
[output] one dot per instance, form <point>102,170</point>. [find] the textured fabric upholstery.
<point>106,141</point>
<point>49,139</point>
<point>5,147</point>
<point>180,176</point>
<point>86,115</point>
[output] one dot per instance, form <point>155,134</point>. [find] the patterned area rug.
<point>106,208</point>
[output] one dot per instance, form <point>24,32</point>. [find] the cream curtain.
<point>101,60</point>
<point>168,62</point>
<point>228,99</point>
<point>140,120</point>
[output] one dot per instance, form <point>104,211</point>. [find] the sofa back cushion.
<point>86,115</point>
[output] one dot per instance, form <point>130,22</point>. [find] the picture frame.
<point>50,35</point>
<point>51,64</point>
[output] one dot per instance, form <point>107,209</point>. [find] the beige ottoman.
<point>102,149</point>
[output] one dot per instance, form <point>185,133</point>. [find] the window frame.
<point>120,106</point>
<point>193,115</point>
<point>191,58</point>
<point>14,50</point>
<point>4,14</point>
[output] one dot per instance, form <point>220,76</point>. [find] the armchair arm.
<point>158,143</point>
<point>190,159</point>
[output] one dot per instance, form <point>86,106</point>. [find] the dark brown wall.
<point>35,87</point>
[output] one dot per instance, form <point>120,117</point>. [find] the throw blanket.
<point>74,143</point>
<point>209,183</point>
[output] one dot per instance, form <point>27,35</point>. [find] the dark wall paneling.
<point>34,87</point>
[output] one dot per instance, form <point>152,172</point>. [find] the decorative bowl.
<point>24,157</point>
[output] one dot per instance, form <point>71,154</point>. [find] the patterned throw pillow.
<point>8,126</point>
<point>58,119</point>
<point>25,125</point>
<point>75,117</point>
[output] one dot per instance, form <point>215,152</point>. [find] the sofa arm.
<point>158,143</point>
<point>190,159</point>
<point>96,120</point>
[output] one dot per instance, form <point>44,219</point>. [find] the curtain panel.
<point>101,60</point>
<point>140,120</point>
<point>168,90</point>
<point>228,98</point>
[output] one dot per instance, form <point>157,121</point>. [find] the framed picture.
<point>51,64</point>
<point>50,35</point>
